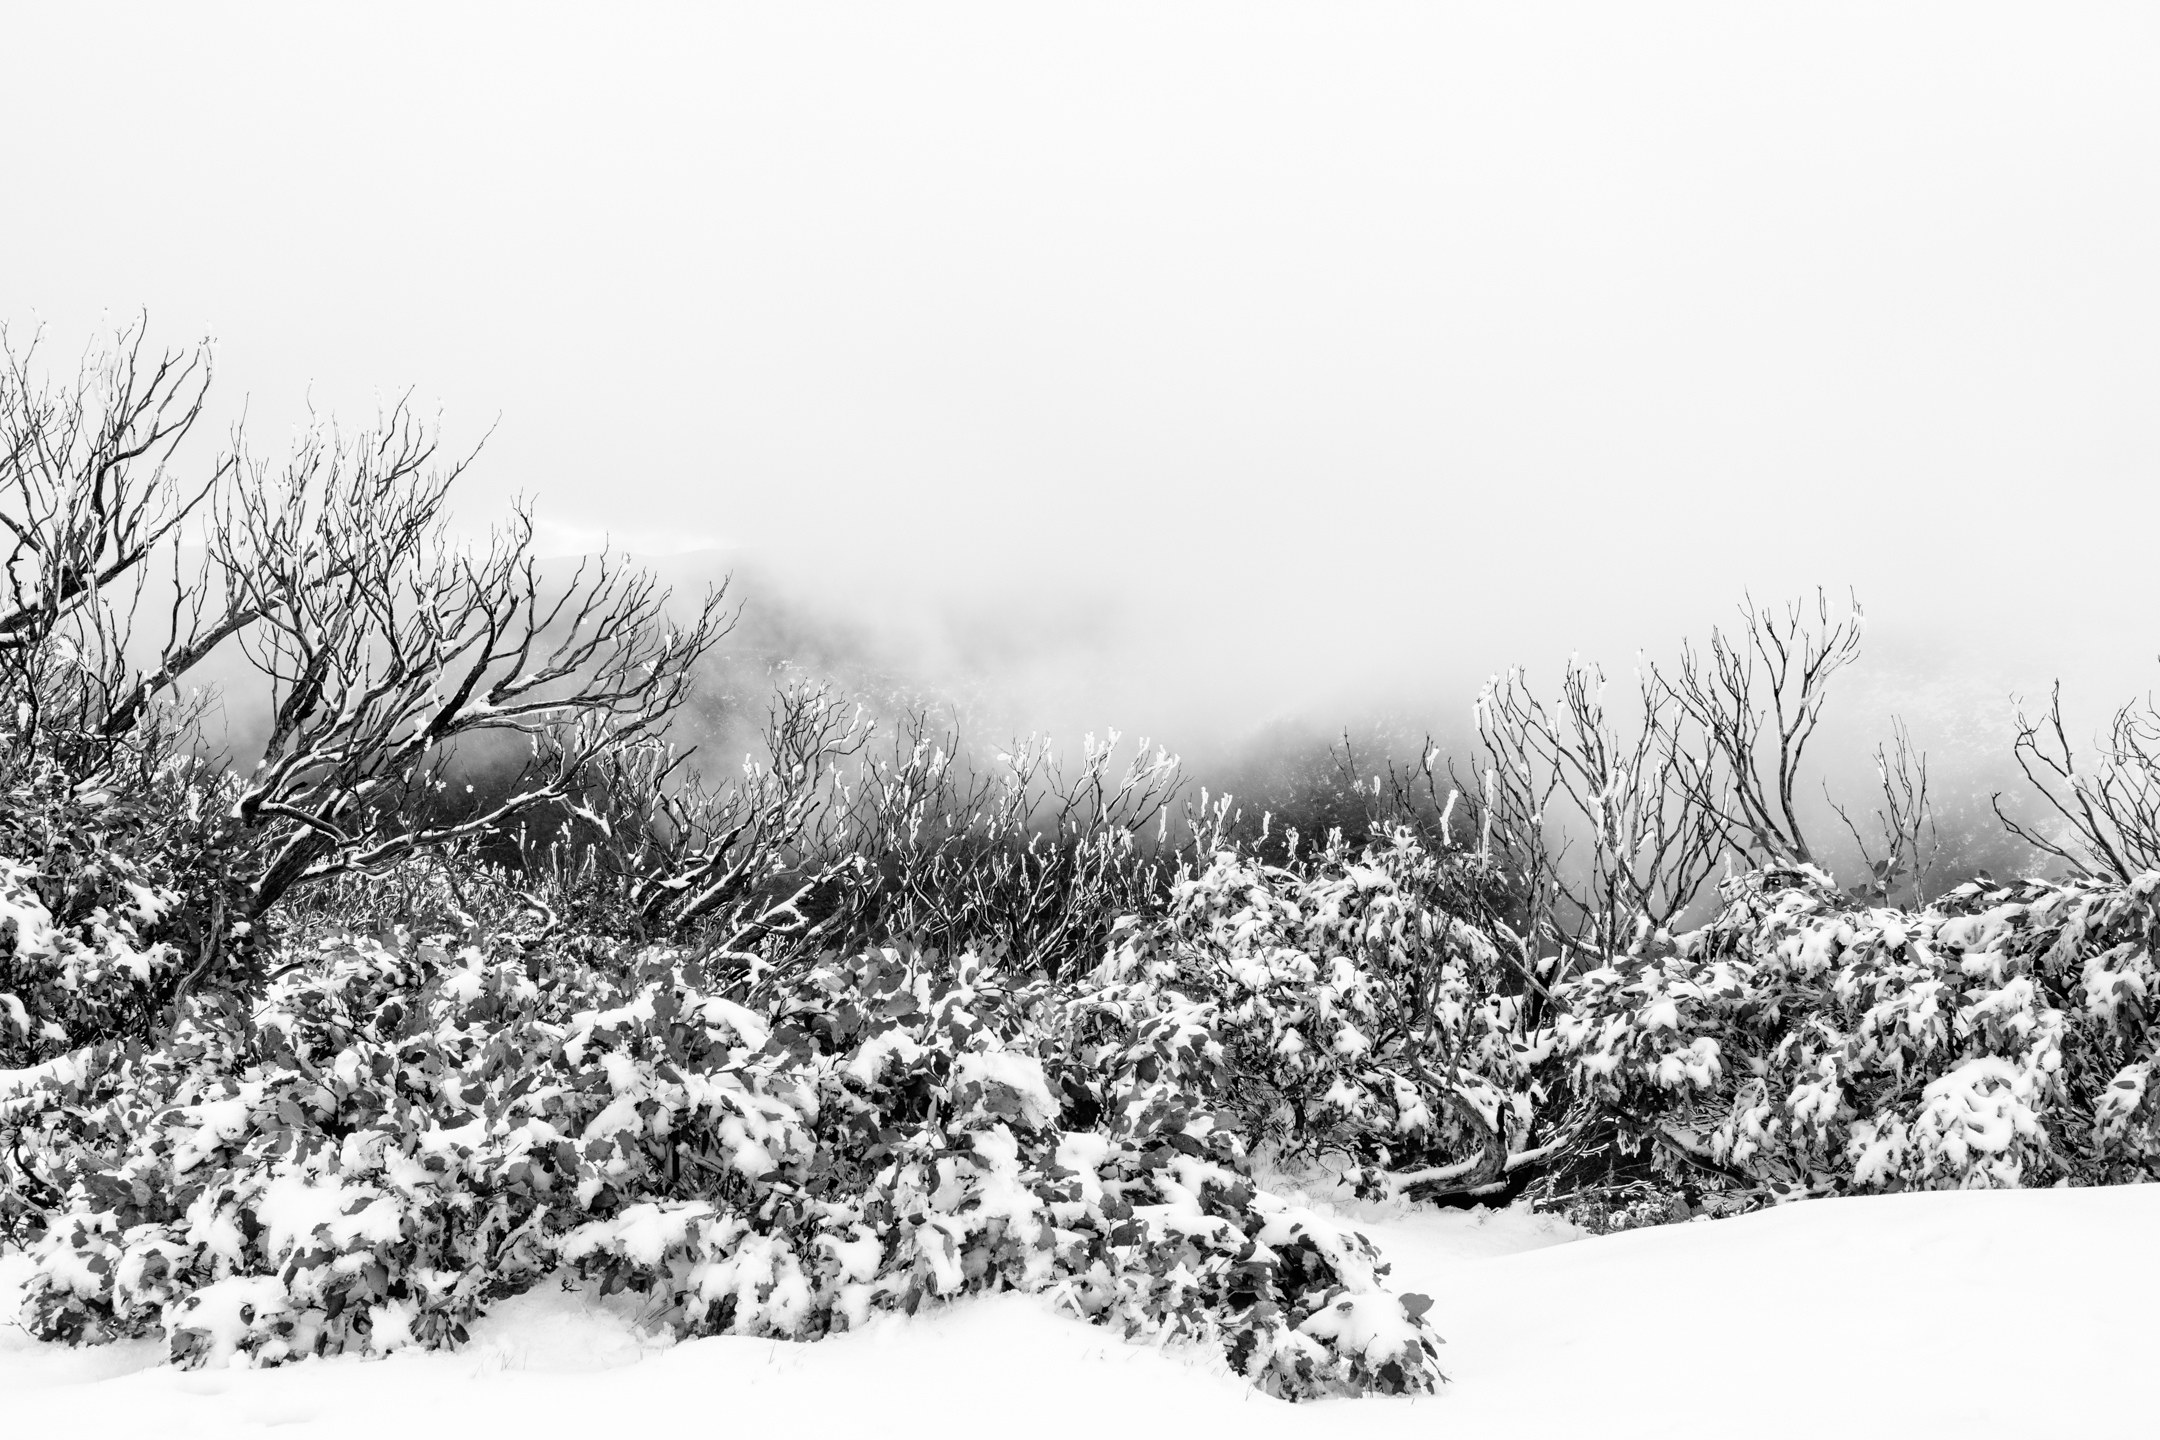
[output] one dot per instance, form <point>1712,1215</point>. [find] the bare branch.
<point>1758,700</point>
<point>2107,814</point>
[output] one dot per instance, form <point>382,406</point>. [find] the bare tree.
<point>388,644</point>
<point>2107,814</point>
<point>1604,826</point>
<point>94,504</point>
<point>1758,699</point>
<point>1029,852</point>
<point>1905,839</point>
<point>822,841</point>
<point>1651,843</point>
<point>654,849</point>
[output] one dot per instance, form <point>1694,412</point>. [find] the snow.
<point>224,1315</point>
<point>21,908</point>
<point>1975,1313</point>
<point>17,1086</point>
<point>1020,1076</point>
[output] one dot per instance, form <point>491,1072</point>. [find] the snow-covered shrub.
<point>1796,1044</point>
<point>1339,1008</point>
<point>1609,1211</point>
<point>401,1136</point>
<point>85,968</point>
<point>103,908</point>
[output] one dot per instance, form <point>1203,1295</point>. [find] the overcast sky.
<point>1193,361</point>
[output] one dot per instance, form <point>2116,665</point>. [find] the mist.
<point>1216,374</point>
<point>1158,665</point>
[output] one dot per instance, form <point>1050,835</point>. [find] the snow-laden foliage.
<point>84,966</point>
<point>398,1133</point>
<point>1796,1045</point>
<point>403,1135</point>
<point>102,907</point>
<point>1345,1009</point>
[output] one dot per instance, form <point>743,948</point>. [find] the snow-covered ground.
<point>1963,1314</point>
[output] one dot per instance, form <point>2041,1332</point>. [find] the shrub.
<point>406,1135</point>
<point>107,907</point>
<point>1343,1008</point>
<point>1797,1045</point>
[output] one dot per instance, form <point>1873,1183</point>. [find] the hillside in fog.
<point>1180,717</point>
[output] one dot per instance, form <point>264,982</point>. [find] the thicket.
<point>320,1055</point>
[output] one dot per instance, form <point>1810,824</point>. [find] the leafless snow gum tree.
<point>387,641</point>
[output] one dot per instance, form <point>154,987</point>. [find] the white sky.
<point>1217,361</point>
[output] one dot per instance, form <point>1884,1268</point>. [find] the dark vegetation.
<point>473,976</point>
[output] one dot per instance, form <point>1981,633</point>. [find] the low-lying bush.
<point>1799,1045</point>
<point>403,1136</point>
<point>404,1131</point>
<point>1357,1018</point>
<point>107,908</point>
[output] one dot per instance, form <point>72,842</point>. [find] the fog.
<point>1197,369</point>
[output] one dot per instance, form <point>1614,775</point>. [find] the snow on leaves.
<point>1997,1038</point>
<point>403,1136</point>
